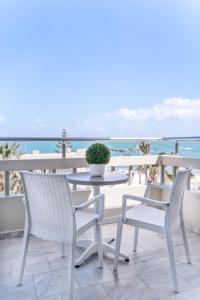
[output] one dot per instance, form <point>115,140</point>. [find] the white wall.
<point>12,213</point>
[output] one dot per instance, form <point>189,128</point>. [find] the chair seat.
<point>146,216</point>
<point>84,221</point>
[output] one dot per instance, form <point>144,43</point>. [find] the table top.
<point>85,178</point>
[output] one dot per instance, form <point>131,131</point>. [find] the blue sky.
<point>99,68</point>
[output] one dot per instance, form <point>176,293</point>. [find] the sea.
<point>186,148</point>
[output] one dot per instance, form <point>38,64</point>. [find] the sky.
<point>100,68</point>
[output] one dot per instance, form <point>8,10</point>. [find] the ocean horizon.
<point>186,148</point>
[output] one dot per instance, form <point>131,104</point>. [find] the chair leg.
<point>118,244</point>
<point>135,239</point>
<point>70,281</point>
<point>25,244</point>
<point>172,260</point>
<point>63,250</point>
<point>185,242</point>
<point>99,245</point>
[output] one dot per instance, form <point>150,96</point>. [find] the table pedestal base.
<point>91,248</point>
<point>85,178</point>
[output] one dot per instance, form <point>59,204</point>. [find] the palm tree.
<point>15,183</point>
<point>144,147</point>
<point>10,151</point>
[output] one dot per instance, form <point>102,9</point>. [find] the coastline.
<point>187,148</point>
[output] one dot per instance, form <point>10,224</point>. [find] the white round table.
<point>84,178</point>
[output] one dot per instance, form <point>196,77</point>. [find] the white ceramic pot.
<point>97,170</point>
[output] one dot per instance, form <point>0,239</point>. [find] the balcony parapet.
<point>11,207</point>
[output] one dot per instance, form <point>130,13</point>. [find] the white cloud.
<point>173,111</point>
<point>38,123</point>
<point>2,119</point>
<point>174,108</point>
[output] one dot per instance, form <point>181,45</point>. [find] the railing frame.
<point>75,163</point>
<point>58,165</point>
<point>92,139</point>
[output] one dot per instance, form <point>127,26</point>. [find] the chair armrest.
<point>145,200</point>
<point>142,200</point>
<point>159,186</point>
<point>100,198</point>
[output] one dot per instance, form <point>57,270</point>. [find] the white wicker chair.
<point>50,215</point>
<point>166,221</point>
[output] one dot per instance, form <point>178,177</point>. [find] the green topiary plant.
<point>97,154</point>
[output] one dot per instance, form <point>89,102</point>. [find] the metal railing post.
<point>139,167</point>
<point>147,168</point>
<point>176,148</point>
<point>146,174</point>
<point>74,185</point>
<point>140,175</point>
<point>148,148</point>
<point>130,174</point>
<point>7,183</point>
<point>174,172</point>
<point>162,174</point>
<point>176,153</point>
<point>113,169</point>
<point>63,150</point>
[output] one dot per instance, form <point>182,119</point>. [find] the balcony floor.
<point>145,277</point>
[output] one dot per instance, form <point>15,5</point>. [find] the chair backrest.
<point>176,197</point>
<point>49,205</point>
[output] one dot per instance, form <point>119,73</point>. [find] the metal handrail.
<point>80,139</point>
<point>76,139</point>
<point>185,138</point>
